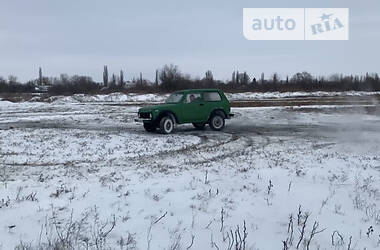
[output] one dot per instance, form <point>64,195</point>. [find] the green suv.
<point>196,106</point>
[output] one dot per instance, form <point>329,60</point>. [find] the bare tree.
<point>12,79</point>
<point>105,76</point>
<point>113,81</point>
<point>303,77</point>
<point>40,78</point>
<point>262,79</point>
<point>156,80</point>
<point>243,78</point>
<point>121,79</point>
<point>169,75</point>
<point>209,76</point>
<point>275,78</point>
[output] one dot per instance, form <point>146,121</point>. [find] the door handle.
<point>201,104</point>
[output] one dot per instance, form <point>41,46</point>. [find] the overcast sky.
<point>80,36</point>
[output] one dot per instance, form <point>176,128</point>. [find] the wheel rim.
<point>217,122</point>
<point>168,126</point>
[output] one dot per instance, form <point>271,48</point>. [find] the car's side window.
<point>193,97</point>
<point>212,97</point>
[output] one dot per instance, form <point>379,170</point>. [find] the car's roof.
<point>197,90</point>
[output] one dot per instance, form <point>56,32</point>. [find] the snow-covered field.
<point>86,176</point>
<point>156,98</point>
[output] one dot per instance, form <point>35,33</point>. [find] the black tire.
<point>199,126</point>
<point>149,127</point>
<point>217,121</point>
<point>166,125</point>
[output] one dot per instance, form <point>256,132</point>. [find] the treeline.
<point>169,78</point>
<point>13,86</point>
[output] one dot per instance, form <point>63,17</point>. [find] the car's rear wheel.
<point>166,125</point>
<point>199,126</point>
<point>217,122</point>
<point>149,127</point>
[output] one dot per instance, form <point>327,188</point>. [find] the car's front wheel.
<point>166,125</point>
<point>199,126</point>
<point>149,127</point>
<point>217,122</point>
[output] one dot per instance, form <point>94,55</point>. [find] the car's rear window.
<point>211,97</point>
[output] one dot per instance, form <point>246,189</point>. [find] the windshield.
<point>174,98</point>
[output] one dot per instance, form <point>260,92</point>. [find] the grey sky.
<point>80,36</point>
